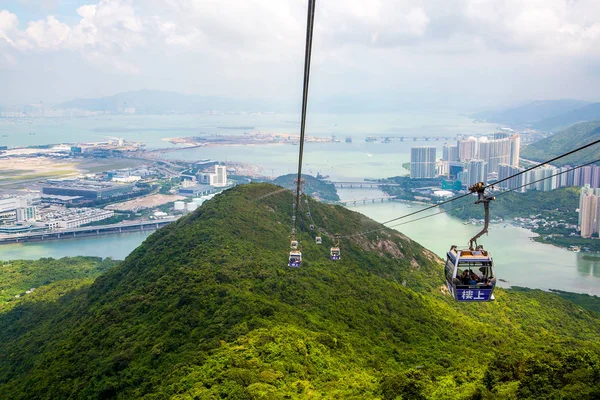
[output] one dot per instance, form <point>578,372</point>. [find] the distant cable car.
<point>312,227</point>
<point>470,274</point>
<point>318,240</point>
<point>308,214</point>
<point>294,244</point>
<point>295,258</point>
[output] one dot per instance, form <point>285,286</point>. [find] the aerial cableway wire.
<point>307,55</point>
<point>462,205</point>
<point>486,187</point>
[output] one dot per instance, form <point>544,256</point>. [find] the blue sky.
<point>39,9</point>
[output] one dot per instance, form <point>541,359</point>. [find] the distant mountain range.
<point>163,102</point>
<point>532,113</point>
<point>591,112</point>
<point>562,142</point>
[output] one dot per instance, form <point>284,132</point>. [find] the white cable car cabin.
<point>335,253</point>
<point>470,274</point>
<point>295,258</point>
<point>318,240</point>
<point>294,244</point>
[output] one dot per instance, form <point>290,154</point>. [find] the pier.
<point>133,226</point>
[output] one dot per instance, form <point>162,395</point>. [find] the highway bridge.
<point>361,184</point>
<point>132,226</point>
<point>366,200</point>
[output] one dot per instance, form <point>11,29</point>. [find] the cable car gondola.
<point>295,258</point>
<point>294,244</point>
<point>335,251</point>
<point>318,240</point>
<point>470,273</point>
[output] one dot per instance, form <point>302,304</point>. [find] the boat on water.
<point>574,249</point>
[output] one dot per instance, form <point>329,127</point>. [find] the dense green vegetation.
<point>206,308</point>
<point>576,136</point>
<point>18,276</point>
<point>312,186</point>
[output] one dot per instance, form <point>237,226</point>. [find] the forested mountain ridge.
<point>314,187</point>
<point>207,308</point>
<point>561,142</point>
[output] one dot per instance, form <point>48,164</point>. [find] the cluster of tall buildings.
<point>471,160</point>
<point>549,178</point>
<point>474,159</point>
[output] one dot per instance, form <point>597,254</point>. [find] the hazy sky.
<point>459,53</point>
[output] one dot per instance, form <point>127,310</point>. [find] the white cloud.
<point>257,45</point>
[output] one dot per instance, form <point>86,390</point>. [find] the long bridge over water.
<point>134,226</point>
<point>366,200</point>
<point>361,184</point>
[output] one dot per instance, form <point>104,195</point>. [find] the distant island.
<point>314,187</point>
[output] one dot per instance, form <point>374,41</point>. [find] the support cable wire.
<point>307,55</point>
<point>462,205</point>
<point>496,195</point>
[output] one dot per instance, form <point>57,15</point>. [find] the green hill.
<point>312,186</point>
<point>206,308</point>
<point>576,136</point>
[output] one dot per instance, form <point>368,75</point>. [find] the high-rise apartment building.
<point>515,150</point>
<point>450,153</point>
<point>476,172</point>
<point>503,149</point>
<point>422,162</point>
<point>219,178</point>
<point>467,149</point>
<point>588,211</point>
<point>506,170</point>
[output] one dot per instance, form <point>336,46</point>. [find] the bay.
<point>519,260</point>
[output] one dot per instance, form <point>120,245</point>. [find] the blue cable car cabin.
<point>470,274</point>
<point>295,259</point>
<point>335,253</point>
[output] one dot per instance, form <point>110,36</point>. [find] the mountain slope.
<point>571,138</point>
<point>590,112</point>
<point>207,308</point>
<point>531,113</point>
